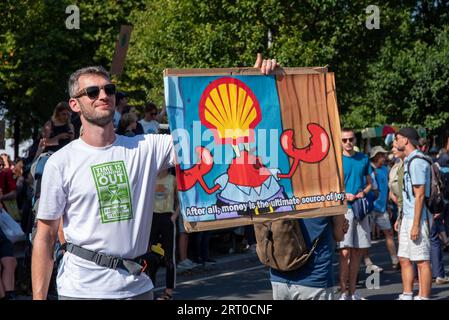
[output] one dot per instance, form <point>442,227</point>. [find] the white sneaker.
<point>420,298</point>
<point>191,263</point>
<point>344,296</point>
<point>186,264</point>
<point>356,296</point>
<point>442,280</point>
<point>253,248</point>
<point>405,297</point>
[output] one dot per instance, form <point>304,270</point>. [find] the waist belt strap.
<point>107,261</point>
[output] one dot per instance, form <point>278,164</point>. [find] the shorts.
<point>418,250</point>
<point>382,219</point>
<point>359,233</point>
<point>286,291</point>
<point>6,248</point>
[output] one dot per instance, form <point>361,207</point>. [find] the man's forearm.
<point>368,184</point>
<point>419,204</point>
<point>9,196</point>
<point>367,189</point>
<point>41,267</point>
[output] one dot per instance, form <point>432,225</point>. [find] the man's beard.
<point>96,119</point>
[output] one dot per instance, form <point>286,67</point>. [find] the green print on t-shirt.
<point>112,183</point>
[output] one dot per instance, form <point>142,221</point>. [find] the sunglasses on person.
<point>154,113</point>
<point>94,91</point>
<point>345,140</point>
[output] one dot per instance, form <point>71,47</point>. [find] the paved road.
<point>241,277</point>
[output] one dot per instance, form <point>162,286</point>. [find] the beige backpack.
<point>281,245</point>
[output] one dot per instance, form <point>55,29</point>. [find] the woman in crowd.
<point>58,131</point>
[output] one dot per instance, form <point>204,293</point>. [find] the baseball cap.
<point>411,134</point>
<point>375,150</point>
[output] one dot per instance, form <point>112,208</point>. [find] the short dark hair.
<point>150,106</point>
<point>348,130</point>
<point>74,77</point>
<point>119,96</point>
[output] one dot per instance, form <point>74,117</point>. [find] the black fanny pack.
<point>146,262</point>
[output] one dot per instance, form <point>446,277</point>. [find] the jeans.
<point>436,253</point>
<point>202,245</point>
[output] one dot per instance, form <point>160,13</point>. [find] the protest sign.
<point>252,147</point>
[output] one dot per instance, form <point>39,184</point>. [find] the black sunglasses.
<point>154,114</point>
<point>348,139</point>
<point>94,91</point>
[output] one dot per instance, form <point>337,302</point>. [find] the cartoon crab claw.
<point>314,152</point>
<point>187,178</point>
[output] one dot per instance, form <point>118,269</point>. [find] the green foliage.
<point>398,73</point>
<point>43,52</point>
<point>409,84</point>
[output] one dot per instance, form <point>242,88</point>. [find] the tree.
<point>409,85</point>
<point>39,53</point>
<point>394,74</point>
<point>223,33</point>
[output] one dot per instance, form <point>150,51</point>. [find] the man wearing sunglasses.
<point>356,171</point>
<point>100,184</point>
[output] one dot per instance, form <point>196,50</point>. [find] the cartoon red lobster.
<point>247,178</point>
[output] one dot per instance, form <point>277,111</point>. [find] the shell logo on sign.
<point>230,108</point>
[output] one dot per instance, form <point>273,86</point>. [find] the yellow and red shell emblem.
<point>230,108</point>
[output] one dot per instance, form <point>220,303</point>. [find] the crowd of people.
<point>401,178</point>
<point>128,160</point>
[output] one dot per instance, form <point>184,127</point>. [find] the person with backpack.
<point>357,177</point>
<point>414,234</point>
<point>313,280</point>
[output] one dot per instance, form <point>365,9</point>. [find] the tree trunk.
<point>16,138</point>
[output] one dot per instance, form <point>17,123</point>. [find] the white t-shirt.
<point>105,198</point>
<point>149,126</point>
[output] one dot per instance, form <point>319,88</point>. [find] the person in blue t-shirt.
<point>414,233</point>
<point>379,215</point>
<point>314,280</point>
<point>357,177</point>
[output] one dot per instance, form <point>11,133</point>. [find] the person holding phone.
<point>58,131</point>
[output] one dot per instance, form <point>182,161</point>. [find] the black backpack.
<point>435,202</point>
<point>445,178</point>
